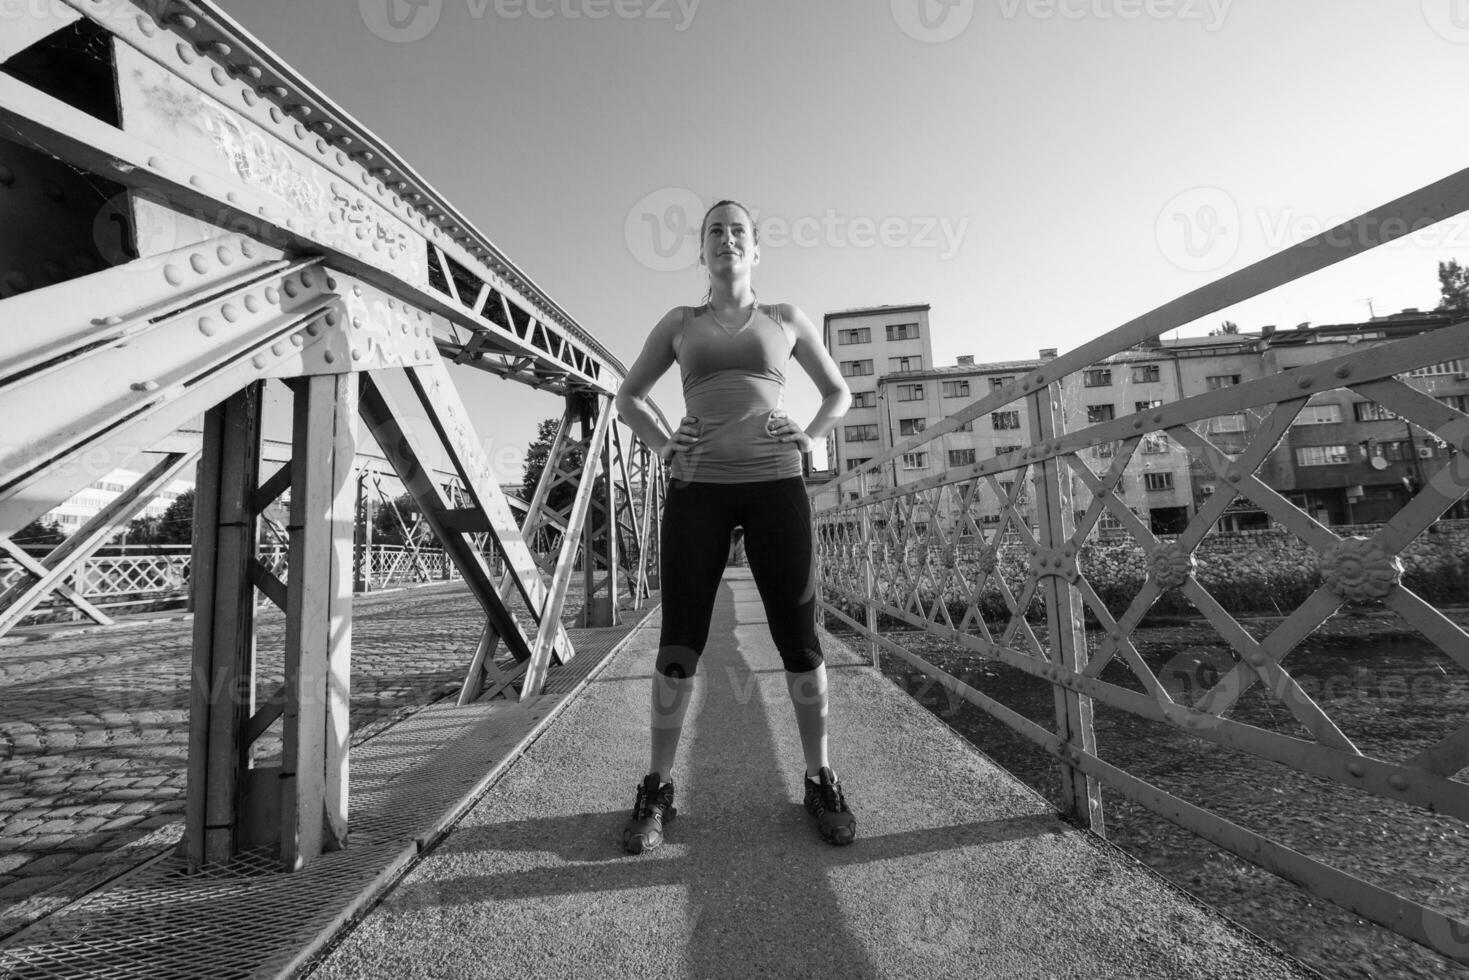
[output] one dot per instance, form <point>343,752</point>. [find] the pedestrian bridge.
<point>188,222</point>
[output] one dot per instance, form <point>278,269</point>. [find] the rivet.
<point>1233,478</point>
<point>341,159</point>
<point>357,323</point>
<point>207,326</point>
<point>186,53</point>
<point>404,328</point>
<point>1258,659</point>
<point>219,48</point>
<point>251,72</point>
<point>232,197</point>
<point>146,26</point>
<point>321,146</point>
<point>356,290</point>
<point>1345,371</point>
<point>1305,382</point>
<point>196,181</point>
<point>275,91</point>
<point>144,386</point>
<point>272,295</point>
<point>329,356</point>
<point>1138,424</point>
<point>361,231</point>
<point>226,255</point>
<point>314,327</point>
<point>332,318</point>
<point>1398,781</point>
<point>1356,769</point>
<point>277,349</point>
<point>230,312</point>
<point>300,131</point>
<point>219,76</point>
<point>248,97</point>
<point>1158,419</point>
<point>297,340</point>
<point>252,302</point>
<point>199,263</point>
<point>307,279</point>
<point>275,112</point>
<point>258,360</point>
<point>292,290</point>
<point>173,274</point>
<point>185,21</point>
<point>331,281</point>
<point>247,248</point>
<point>356,354</point>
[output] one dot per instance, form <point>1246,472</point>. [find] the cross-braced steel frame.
<point>186,222</point>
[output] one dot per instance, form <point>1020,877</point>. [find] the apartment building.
<point>1345,460</point>
<point>869,343</point>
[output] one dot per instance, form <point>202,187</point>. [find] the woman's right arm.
<point>656,358</point>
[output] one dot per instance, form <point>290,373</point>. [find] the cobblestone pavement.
<point>94,729</point>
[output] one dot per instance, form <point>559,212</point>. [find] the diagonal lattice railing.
<point>998,559</point>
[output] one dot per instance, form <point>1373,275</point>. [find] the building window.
<point>915,461</point>
<point>1370,412</point>
<point>852,464</point>
<point>864,399</point>
<point>861,433</point>
<point>1318,415</point>
<point>1459,403</point>
<point>1100,413</point>
<point>1106,450</point>
<point>1097,377</point>
<point>910,393</point>
<point>1155,442</point>
<point>911,427</point>
<point>1447,367</point>
<point>1147,406</point>
<point>955,389</point>
<point>966,426</point>
<point>1109,522</point>
<point>902,331</point>
<point>910,363</point>
<point>1002,450</point>
<point>1005,420</point>
<point>1217,381</point>
<point>1396,451</point>
<point>1234,422</point>
<point>1145,373</point>
<point>1321,455</point>
<point>1001,382</point>
<point>856,335</point>
<point>961,457</point>
<point>1158,481</point>
<point>853,369</point>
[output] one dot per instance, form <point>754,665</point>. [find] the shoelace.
<point>831,798</point>
<point>642,807</point>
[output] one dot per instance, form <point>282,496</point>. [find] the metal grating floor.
<point>250,919</point>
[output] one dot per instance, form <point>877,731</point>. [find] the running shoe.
<point>650,811</point>
<point>825,802</point>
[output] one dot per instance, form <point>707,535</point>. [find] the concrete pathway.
<point>958,869</point>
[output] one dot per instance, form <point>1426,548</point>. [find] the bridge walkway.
<point>958,870</point>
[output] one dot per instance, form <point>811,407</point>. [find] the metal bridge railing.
<point>990,557</point>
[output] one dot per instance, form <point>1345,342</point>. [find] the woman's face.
<point>729,248</point>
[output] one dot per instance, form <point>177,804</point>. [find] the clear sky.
<point>1037,170</point>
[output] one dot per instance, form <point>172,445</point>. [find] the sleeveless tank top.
<point>732,380</point>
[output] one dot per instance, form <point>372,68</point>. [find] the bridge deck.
<point>958,870</point>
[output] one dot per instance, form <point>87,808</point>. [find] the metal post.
<point>223,680</point>
<point>362,537</point>
<point>609,616</point>
<point>868,582</point>
<point>1080,795</point>
<point>313,779</point>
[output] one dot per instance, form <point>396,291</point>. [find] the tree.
<point>1228,328</point>
<point>176,526</point>
<point>1453,285</point>
<point>36,533</point>
<point>386,528</point>
<point>536,455</point>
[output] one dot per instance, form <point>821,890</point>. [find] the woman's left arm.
<point>836,397</point>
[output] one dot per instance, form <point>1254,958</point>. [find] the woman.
<point>735,461</point>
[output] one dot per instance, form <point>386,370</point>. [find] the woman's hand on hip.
<point>684,439</point>
<point>785,429</point>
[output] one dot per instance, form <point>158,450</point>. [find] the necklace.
<point>748,320</point>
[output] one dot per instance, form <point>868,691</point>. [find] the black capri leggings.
<point>697,521</point>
